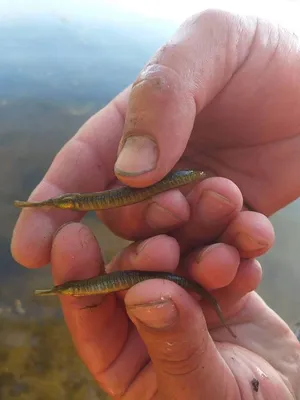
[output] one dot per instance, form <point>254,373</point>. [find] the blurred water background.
<point>59,65</point>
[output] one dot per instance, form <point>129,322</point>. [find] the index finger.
<point>84,164</point>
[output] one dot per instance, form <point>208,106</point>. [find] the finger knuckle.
<point>211,18</point>
<point>163,80</point>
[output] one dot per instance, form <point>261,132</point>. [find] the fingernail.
<point>212,206</point>
<point>85,237</point>
<point>60,228</point>
<point>159,217</point>
<point>204,252</point>
<point>141,246</point>
<point>246,242</point>
<point>158,314</point>
<point>138,155</point>
<point>112,264</point>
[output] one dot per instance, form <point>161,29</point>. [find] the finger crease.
<point>111,364</point>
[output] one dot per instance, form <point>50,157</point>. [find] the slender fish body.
<point>123,280</point>
<point>118,197</point>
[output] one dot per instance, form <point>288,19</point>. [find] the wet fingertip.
<point>251,246</point>
<point>251,266</point>
<point>215,265</point>
<point>113,264</point>
<point>27,259</point>
<point>159,250</point>
<point>75,254</point>
<point>221,189</point>
<point>206,251</point>
<point>213,206</point>
<point>143,245</point>
<point>167,210</point>
<point>248,277</point>
<point>61,228</point>
<point>29,247</point>
<point>158,217</point>
<point>154,241</point>
<point>224,252</point>
<point>251,233</point>
<point>69,229</point>
<point>250,243</point>
<point>138,155</point>
<point>158,314</point>
<point>150,254</point>
<point>153,303</point>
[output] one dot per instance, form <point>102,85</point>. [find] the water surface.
<point>54,74</point>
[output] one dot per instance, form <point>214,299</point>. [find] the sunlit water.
<point>55,72</point>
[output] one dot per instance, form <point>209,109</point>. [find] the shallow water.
<point>54,74</point>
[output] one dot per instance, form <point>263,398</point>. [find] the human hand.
<point>158,342</point>
<point>235,113</point>
<point>222,95</point>
<point>91,154</point>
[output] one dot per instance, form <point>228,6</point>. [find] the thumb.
<point>177,83</point>
<point>184,357</point>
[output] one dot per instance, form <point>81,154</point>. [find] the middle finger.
<point>210,204</point>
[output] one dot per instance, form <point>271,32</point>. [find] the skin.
<point>226,89</point>
<point>152,342</point>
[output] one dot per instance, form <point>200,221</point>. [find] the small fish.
<point>118,197</point>
<point>123,280</point>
